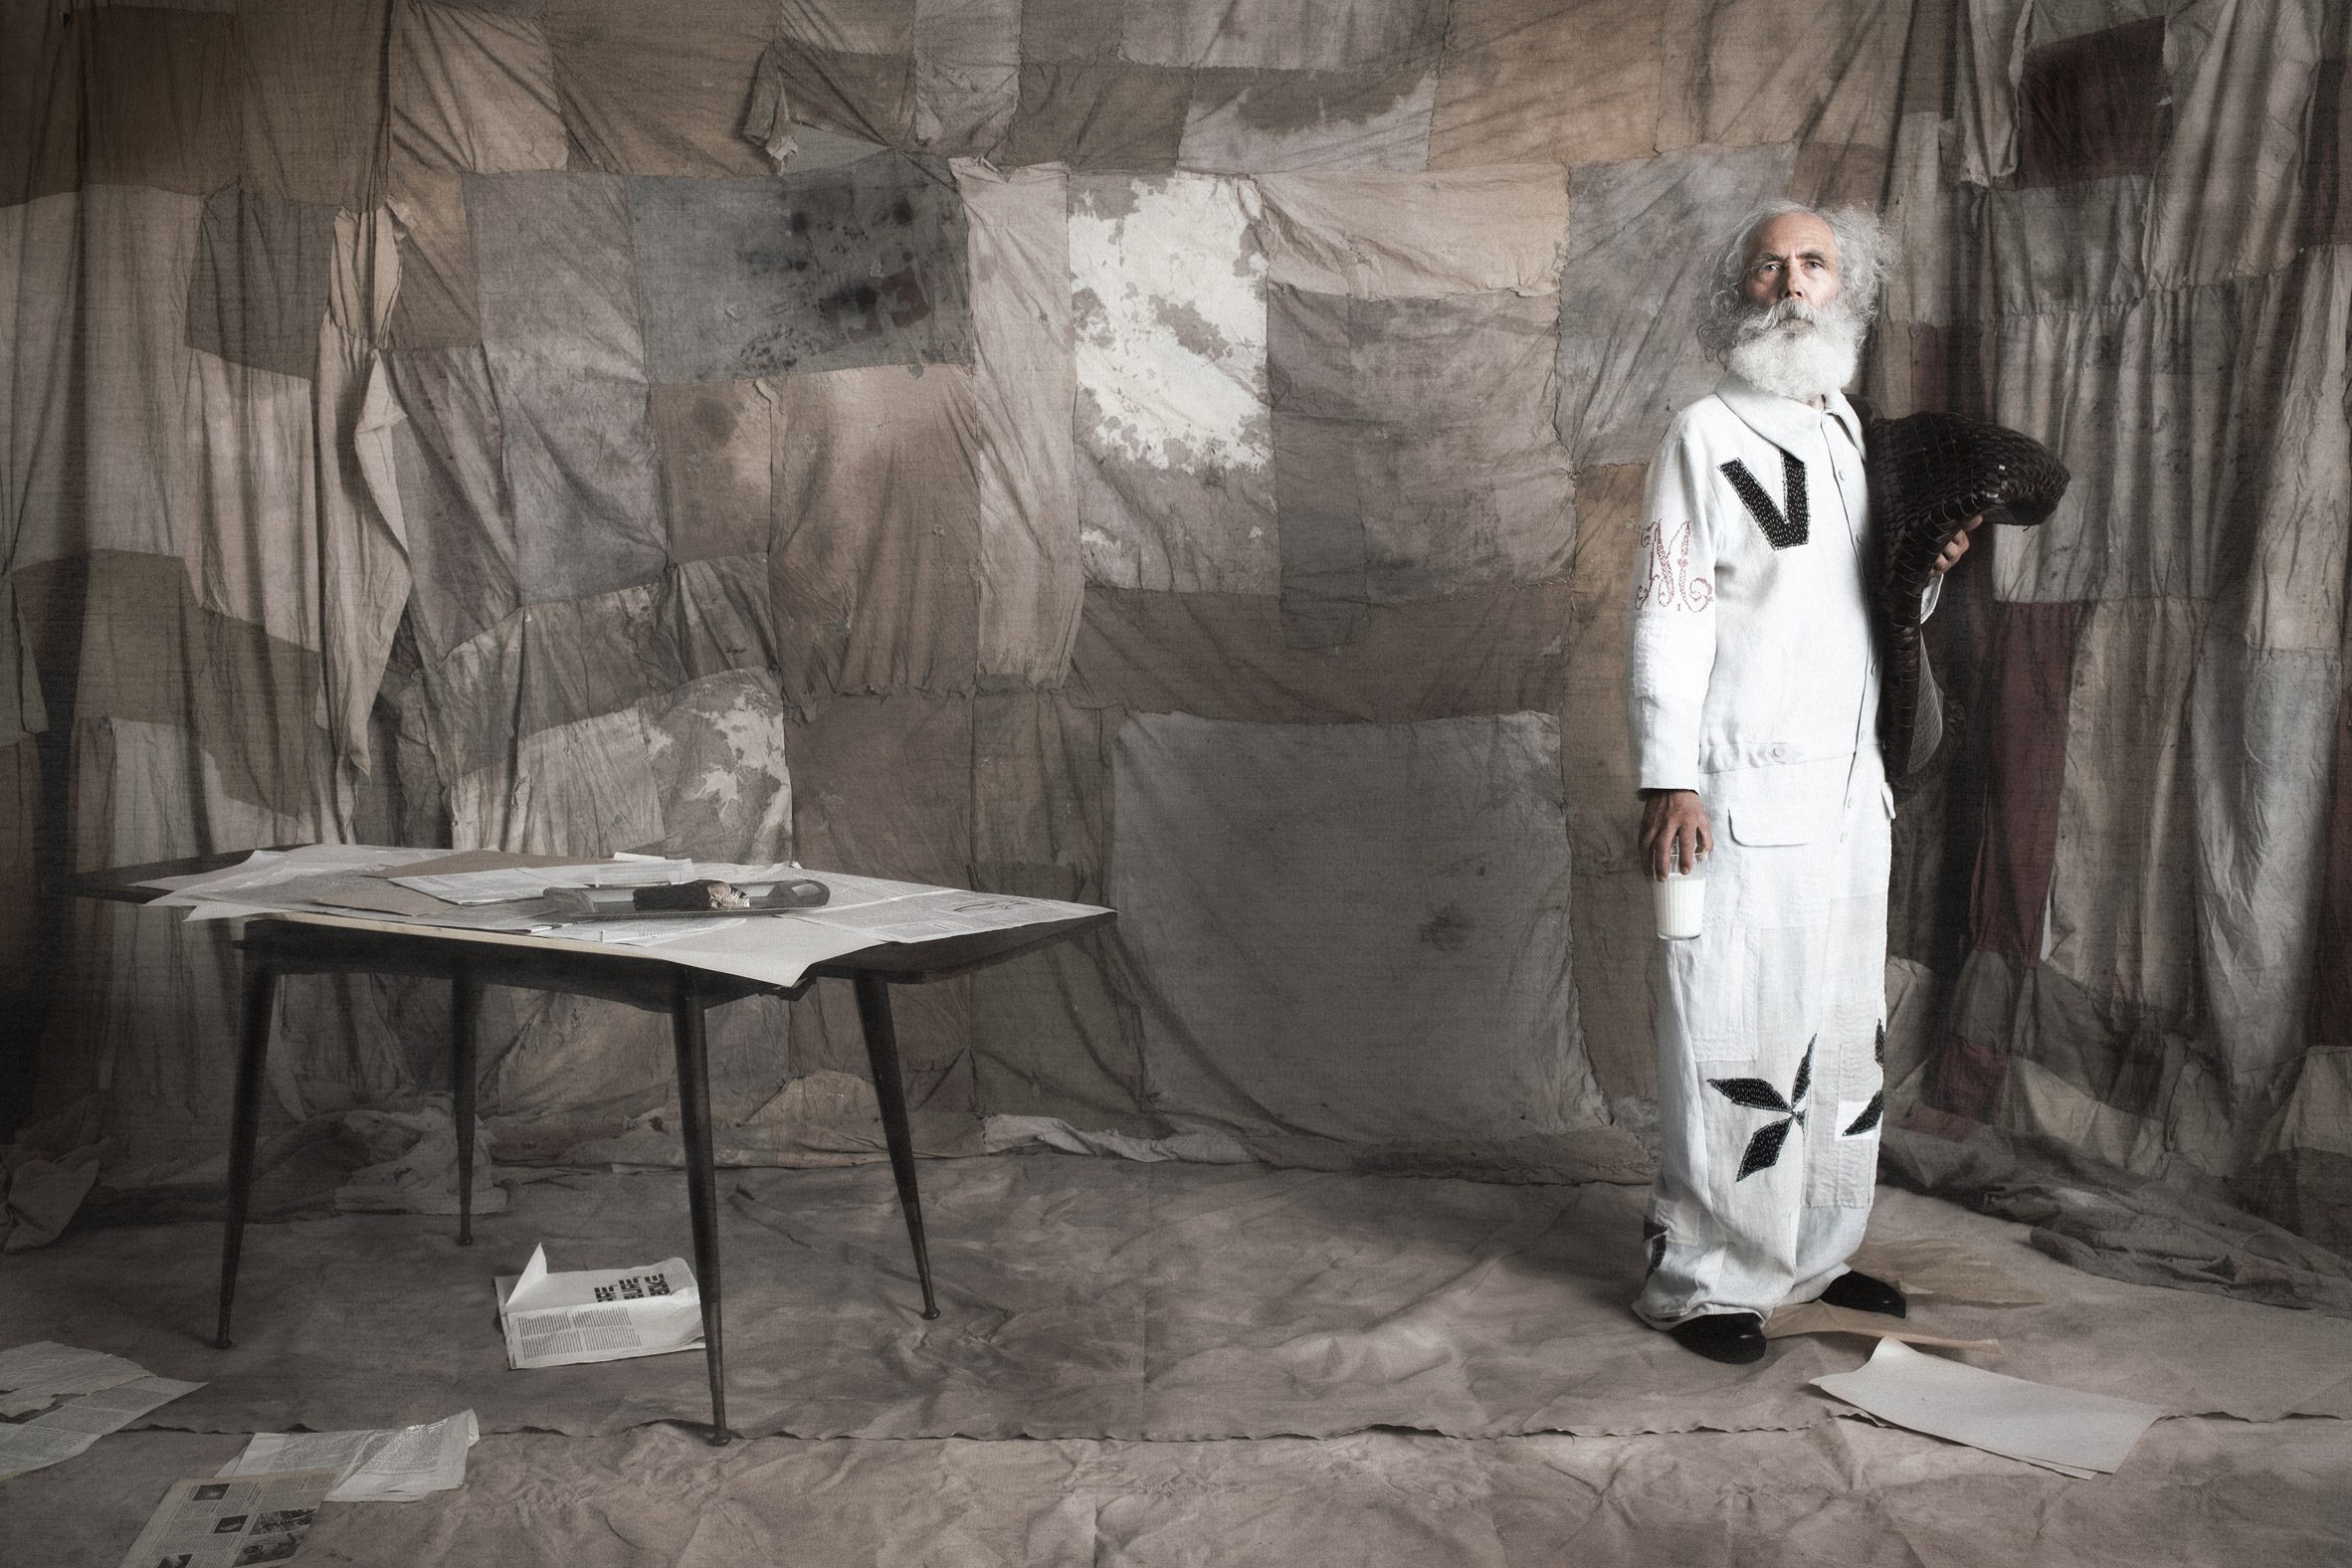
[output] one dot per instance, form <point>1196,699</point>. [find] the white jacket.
<point>1742,653</point>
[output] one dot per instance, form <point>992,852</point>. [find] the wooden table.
<point>279,946</point>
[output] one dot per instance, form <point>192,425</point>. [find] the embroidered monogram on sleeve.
<point>1665,571</point>
<point>1783,530</point>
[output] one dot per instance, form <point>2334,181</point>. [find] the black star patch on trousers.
<point>1763,1151</point>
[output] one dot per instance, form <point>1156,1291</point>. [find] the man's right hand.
<point>1673,828</point>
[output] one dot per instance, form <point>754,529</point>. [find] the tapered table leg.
<point>253,1054</point>
<point>890,1090</point>
<point>465,1009</point>
<point>693,1110</point>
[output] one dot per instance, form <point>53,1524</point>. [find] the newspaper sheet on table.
<point>57,1434</point>
<point>2060,1429</point>
<point>256,885</point>
<point>598,1314</point>
<point>215,1523</point>
<point>397,1465</point>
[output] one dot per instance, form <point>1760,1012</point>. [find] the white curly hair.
<point>1862,268</point>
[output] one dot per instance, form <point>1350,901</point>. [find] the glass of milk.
<point>1681,900</point>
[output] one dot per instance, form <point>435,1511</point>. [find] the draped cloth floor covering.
<point>1357,1368</point>
<point>1182,456</point>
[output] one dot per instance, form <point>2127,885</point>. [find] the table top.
<point>938,958</point>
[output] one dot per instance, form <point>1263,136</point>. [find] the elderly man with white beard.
<point>1751,691</point>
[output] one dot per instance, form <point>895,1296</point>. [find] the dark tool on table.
<point>702,898</point>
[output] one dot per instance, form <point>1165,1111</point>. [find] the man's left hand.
<point>1950,556</point>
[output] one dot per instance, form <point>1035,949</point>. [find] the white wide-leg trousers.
<point>1771,1045</point>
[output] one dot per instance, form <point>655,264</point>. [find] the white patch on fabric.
<point>757,741</point>
<point>1170,317</point>
<point>1850,1112</point>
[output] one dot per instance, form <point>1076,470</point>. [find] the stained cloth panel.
<point>1289,862</point>
<point>1254,121</point>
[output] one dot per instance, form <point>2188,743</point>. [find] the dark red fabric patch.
<point>2093,107</point>
<point>1965,1081</point>
<point>2327,161</point>
<point>2032,666</point>
<point>2332,974</point>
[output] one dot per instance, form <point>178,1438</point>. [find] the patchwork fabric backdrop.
<point>1180,456</point>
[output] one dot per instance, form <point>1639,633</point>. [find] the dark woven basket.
<point>1929,474</point>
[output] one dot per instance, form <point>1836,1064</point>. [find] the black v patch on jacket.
<point>1783,530</point>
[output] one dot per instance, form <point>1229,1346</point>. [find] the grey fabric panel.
<point>2255,490</point>
<point>1326,498</point>
<point>883,787</point>
<point>2121,920</point>
<point>1389,236</point>
<point>1502,97</point>
<point>1282,35</point>
<point>1257,121</point>
<point>1024,384</point>
<point>438,304</point>
<point>1230,656</point>
<point>567,362</point>
<point>555,256</point>
<point>866,97</point>
<point>872,27</point>
<point>717,442</point>
<point>457,513</point>
<point>580,458</point>
<point>1058,1034</point>
<point>1054,30</point>
<point>1099,117</point>
<point>558,662</point>
<point>473,91</point>
<point>967,74</point>
<point>2077,246</point>
<point>260,290</point>
<point>862,265</point>
<point>872,569</point>
<point>2263,793</point>
<point>1640,239</point>
<point>1745,72</point>
<point>160,93</point>
<point>1415,437</point>
<point>1352,931</point>
<point>311,91</point>
<point>2240,83</point>
<point>658,89</point>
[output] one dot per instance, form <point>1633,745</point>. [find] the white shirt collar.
<point>1783,421</point>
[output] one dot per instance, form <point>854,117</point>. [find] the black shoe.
<point>1861,1293</point>
<point>1734,1338</point>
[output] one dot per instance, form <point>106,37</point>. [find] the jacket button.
<point>1779,753</point>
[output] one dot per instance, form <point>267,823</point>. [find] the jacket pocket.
<point>1766,823</point>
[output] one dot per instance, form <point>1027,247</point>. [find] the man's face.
<point>1790,256</point>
